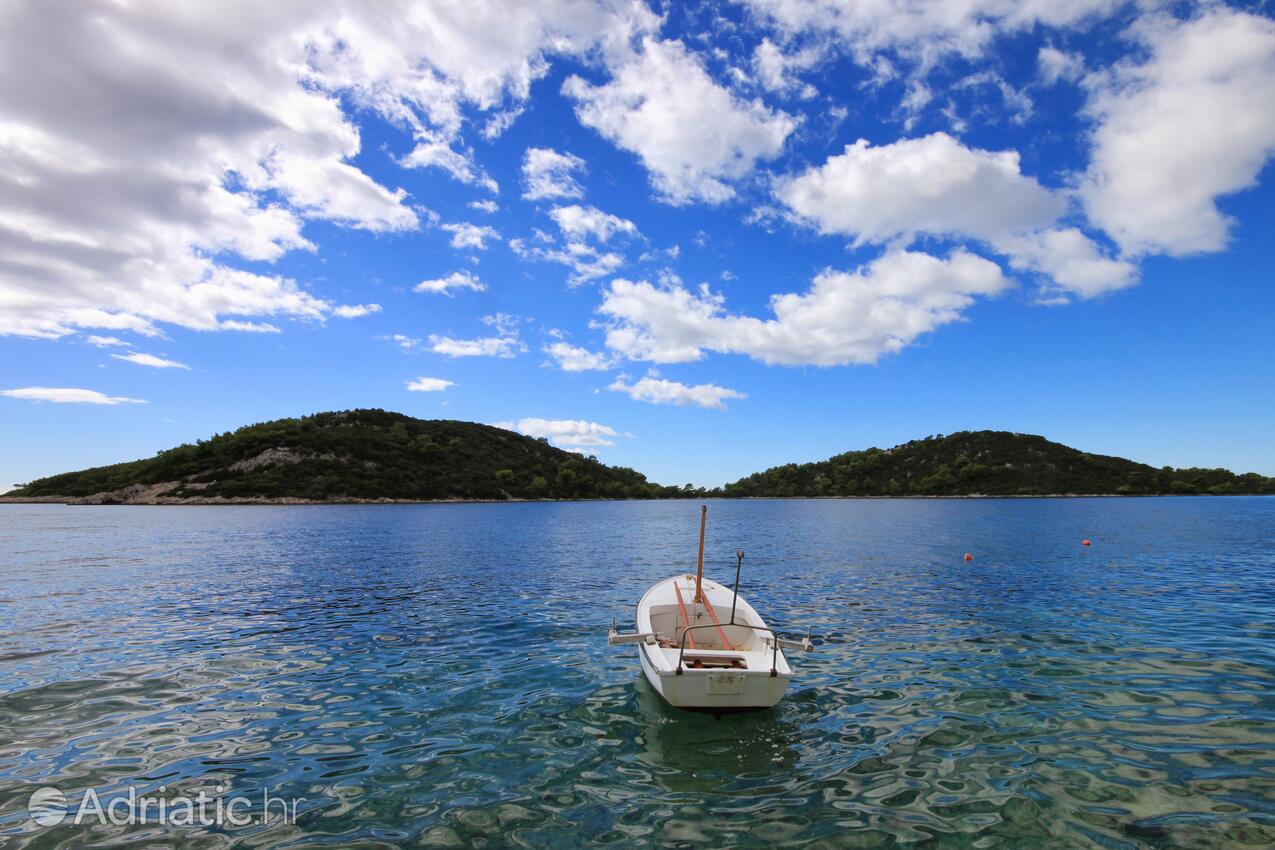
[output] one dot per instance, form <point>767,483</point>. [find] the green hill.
<point>371,455</point>
<point>354,455</point>
<point>989,463</point>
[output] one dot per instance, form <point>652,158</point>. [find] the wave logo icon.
<point>47,806</point>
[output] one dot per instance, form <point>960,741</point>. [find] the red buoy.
<point>968,556</point>
<point>1084,542</point>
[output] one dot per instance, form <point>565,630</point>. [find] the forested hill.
<point>371,455</point>
<point>353,455</point>
<point>990,463</point>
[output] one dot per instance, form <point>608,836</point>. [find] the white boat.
<point>703,647</point>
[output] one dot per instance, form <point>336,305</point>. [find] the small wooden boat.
<point>702,647</point>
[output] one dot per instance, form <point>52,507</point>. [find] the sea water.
<point>439,675</point>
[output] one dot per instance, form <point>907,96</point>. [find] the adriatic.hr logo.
<point>49,807</point>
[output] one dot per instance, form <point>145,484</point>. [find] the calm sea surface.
<point>439,674</point>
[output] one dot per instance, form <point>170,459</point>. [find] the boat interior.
<point>668,623</point>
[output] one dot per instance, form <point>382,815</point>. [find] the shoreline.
<point>97,501</point>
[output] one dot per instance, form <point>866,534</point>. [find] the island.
<point>381,456</point>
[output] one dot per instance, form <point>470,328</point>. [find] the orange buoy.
<point>968,556</point>
<point>1084,542</point>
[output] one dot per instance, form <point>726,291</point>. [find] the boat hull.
<point>699,659</point>
<point>690,690</point>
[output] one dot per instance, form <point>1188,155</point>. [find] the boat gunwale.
<point>780,667</point>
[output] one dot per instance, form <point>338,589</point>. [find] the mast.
<point>699,562</point>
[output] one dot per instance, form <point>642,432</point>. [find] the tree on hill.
<point>362,454</point>
<point>990,463</point>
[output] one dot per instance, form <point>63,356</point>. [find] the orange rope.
<point>708,606</point>
<point>686,622</point>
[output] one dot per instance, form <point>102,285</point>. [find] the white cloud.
<point>661,391</point>
<point>491,346</point>
<point>68,395</point>
<point>924,30</point>
<point>693,135</point>
<point>433,151</point>
<point>107,341</point>
<point>484,206</point>
<point>549,175</point>
<point>586,262</point>
<point>356,311</point>
<point>1054,65</point>
<point>505,323</point>
<point>578,223</point>
<point>257,327</point>
<point>1070,258</point>
<point>563,432</point>
<point>937,186</point>
<point>845,317</point>
<point>927,185</point>
<point>429,385</point>
<point>506,344</point>
<point>466,235</point>
<point>130,185</point>
<point>150,360</point>
<point>773,68</point>
<point>403,341</point>
<point>1191,123</point>
<point>573,358</point>
<point>910,38</point>
<point>456,280</point>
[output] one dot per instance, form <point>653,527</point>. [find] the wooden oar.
<point>712,615</point>
<point>686,621</point>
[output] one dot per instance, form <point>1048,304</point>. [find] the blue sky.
<point>698,240</point>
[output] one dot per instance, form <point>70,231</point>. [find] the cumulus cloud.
<point>150,360</point>
<point>466,235</point>
<point>774,68</point>
<point>490,346</point>
<point>563,432</point>
<point>263,327</point>
<point>434,151</point>
<point>581,222</point>
<point>1190,124</point>
<point>655,390</point>
<point>355,311</point>
<point>130,185</point>
<point>107,341</point>
<point>549,175</point>
<point>911,38</point>
<point>484,206</point>
<point>573,358</point>
<point>845,317</point>
<point>456,280</point>
<point>587,263</point>
<point>429,385</point>
<point>922,29</point>
<point>403,341</point>
<point>507,343</point>
<point>68,395</point>
<point>937,186</point>
<point>693,135</point>
<point>1070,259</point>
<point>1054,65</point>
<point>927,185</point>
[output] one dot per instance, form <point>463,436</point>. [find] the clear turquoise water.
<point>440,675</point>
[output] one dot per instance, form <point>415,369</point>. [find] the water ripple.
<point>438,675</point>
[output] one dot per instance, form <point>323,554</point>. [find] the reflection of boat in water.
<point>695,658</point>
<point>687,752</point>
